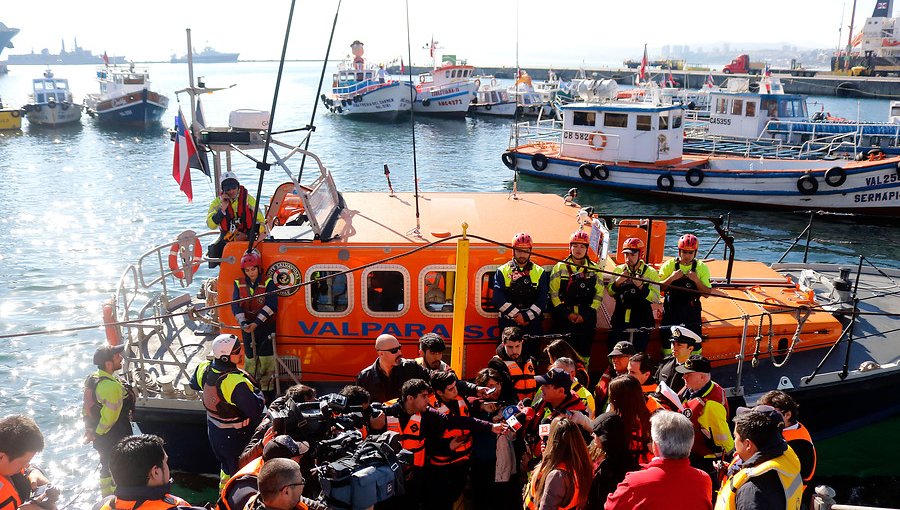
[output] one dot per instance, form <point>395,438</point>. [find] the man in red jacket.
<point>667,481</point>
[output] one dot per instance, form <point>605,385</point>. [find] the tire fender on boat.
<point>600,143</point>
<point>37,107</point>
<point>357,99</point>
<point>875,155</point>
<point>601,172</point>
<point>64,106</point>
<point>175,259</point>
<point>487,107</point>
<point>51,104</point>
<point>509,160</point>
<point>586,171</point>
<point>694,176</point>
<point>807,185</point>
<point>665,182</point>
<point>14,113</point>
<point>426,102</point>
<point>835,176</point>
<point>539,162</point>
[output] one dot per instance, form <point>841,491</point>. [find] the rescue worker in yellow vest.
<point>140,467</point>
<point>281,485</point>
<point>707,406</point>
<point>767,472</point>
<point>576,290</point>
<point>254,304</point>
<point>232,211</point>
<point>107,407</point>
<point>20,440</point>
<point>515,366</point>
<point>796,435</point>
<point>685,279</point>
<point>521,291</point>
<point>233,402</point>
<point>635,290</point>
<point>418,424</point>
<point>448,458</point>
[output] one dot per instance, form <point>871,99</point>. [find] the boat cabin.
<point>492,95</point>
<point>115,79</point>
<point>50,89</point>
<point>623,131</point>
<point>740,113</point>
<point>447,74</point>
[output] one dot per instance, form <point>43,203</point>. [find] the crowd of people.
<point>533,430</point>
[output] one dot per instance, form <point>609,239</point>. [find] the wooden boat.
<point>126,97</point>
<point>51,102</point>
<point>446,91</point>
<point>361,90</point>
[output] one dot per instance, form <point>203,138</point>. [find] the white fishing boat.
<point>531,103</point>
<point>446,91</point>
<point>638,146</point>
<point>360,89</point>
<point>492,98</point>
<point>126,97</point>
<point>50,103</point>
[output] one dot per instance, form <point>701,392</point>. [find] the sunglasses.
<point>395,350</point>
<point>294,484</point>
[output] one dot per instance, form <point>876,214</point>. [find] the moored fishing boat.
<point>126,97</point>
<point>361,90</point>
<point>51,102</point>
<point>492,98</point>
<point>639,147</point>
<point>446,91</point>
<point>10,118</point>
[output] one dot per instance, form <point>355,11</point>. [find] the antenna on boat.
<point>515,188</point>
<point>262,165</point>
<point>412,124</point>
<point>312,118</point>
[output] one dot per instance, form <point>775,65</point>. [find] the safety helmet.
<point>633,244</point>
<point>688,242</point>
<point>580,237</point>
<point>225,345</point>
<point>251,259</point>
<point>522,240</point>
<point>228,176</point>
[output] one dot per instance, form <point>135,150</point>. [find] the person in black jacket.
<point>609,453</point>
<point>385,377</point>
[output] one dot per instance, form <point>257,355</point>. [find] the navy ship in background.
<point>207,56</point>
<point>77,56</point>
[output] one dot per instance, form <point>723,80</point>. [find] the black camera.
<point>45,496</point>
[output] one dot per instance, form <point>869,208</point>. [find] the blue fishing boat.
<point>126,97</point>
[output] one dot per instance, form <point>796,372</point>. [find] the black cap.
<point>695,363</point>
<point>556,377</point>
<point>106,353</point>
<point>774,415</point>
<point>623,348</point>
<point>284,447</point>
<point>610,428</point>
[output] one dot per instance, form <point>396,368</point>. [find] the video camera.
<point>318,420</point>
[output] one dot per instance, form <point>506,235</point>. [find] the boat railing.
<point>542,130</point>
<point>358,88</point>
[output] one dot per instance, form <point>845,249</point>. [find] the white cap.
<point>682,334</point>
<point>225,345</point>
<point>226,176</point>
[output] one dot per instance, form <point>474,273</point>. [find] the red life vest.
<point>252,306</point>
<point>461,452</point>
<point>411,437</point>
<point>243,222</point>
<point>221,413</point>
<point>702,445</point>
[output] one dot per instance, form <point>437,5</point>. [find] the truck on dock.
<point>742,65</point>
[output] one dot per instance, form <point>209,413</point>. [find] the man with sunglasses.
<point>280,487</point>
<point>384,378</point>
<point>685,279</point>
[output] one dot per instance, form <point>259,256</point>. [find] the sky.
<point>484,32</point>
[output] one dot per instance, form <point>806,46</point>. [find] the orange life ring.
<point>113,336</point>
<point>602,144</point>
<point>174,259</point>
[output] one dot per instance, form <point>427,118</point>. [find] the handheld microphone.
<point>515,422</point>
<point>544,429</point>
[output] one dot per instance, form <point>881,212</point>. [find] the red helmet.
<point>580,237</point>
<point>688,242</point>
<point>522,240</point>
<point>633,243</point>
<point>251,259</point>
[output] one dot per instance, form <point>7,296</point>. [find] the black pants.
<point>641,316</point>
<point>444,484</point>
<point>582,335</point>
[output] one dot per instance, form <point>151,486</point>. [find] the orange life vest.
<point>801,433</point>
<point>531,498</point>
<point>521,377</point>
<point>9,494</point>
<point>169,502</point>
<point>461,452</point>
<point>411,437</point>
<point>251,469</point>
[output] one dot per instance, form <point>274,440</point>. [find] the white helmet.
<point>225,345</point>
<point>226,176</point>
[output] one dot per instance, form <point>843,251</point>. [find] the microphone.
<point>544,429</point>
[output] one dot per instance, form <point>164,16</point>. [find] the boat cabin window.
<point>438,286</point>
<point>721,104</point>
<point>895,110</point>
<point>770,106</point>
<point>644,123</point>
<point>385,291</point>
<point>584,119</point>
<point>676,120</point>
<point>328,295</point>
<point>663,120</point>
<point>486,291</point>
<point>751,109</point>
<point>39,98</point>
<point>615,120</point>
<point>737,107</point>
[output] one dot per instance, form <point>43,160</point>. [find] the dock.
<point>864,87</point>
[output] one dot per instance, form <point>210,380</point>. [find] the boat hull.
<point>450,100</point>
<point>185,433</point>
<point>41,114</point>
<point>386,102</point>
<point>11,119</point>
<point>868,187</point>
<point>504,109</point>
<point>140,108</point>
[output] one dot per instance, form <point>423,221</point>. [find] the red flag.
<point>710,83</point>
<point>402,68</point>
<point>184,150</point>
<point>105,59</point>
<point>642,72</point>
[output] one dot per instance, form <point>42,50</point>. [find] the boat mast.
<point>412,119</point>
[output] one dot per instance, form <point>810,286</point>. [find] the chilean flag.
<point>642,72</point>
<point>184,151</point>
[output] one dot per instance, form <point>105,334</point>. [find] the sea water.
<point>80,203</point>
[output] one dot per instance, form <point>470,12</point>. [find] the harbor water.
<point>81,203</point>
